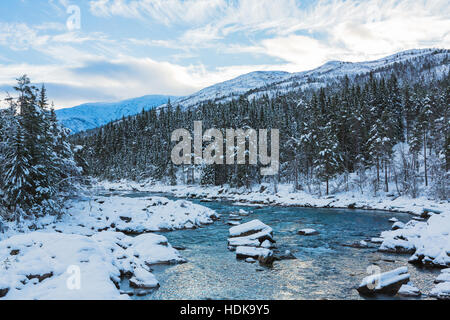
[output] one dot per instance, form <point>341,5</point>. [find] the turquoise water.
<point>324,268</point>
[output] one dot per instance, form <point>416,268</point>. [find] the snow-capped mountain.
<point>93,115</point>
<point>255,84</point>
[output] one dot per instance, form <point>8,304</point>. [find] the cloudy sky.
<point>117,49</point>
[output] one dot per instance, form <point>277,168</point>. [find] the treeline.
<point>37,160</point>
<point>375,135</point>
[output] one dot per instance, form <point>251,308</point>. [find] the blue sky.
<point>128,48</point>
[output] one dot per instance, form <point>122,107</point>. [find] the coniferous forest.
<point>385,131</point>
<point>38,164</point>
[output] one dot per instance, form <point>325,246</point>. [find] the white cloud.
<point>164,11</point>
<point>298,38</point>
<point>352,30</point>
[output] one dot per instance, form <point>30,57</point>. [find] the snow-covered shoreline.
<point>96,244</point>
<point>263,196</point>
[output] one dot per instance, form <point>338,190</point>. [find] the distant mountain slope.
<point>93,115</point>
<point>255,84</point>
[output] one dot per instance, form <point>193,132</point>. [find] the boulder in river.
<point>244,252</point>
<point>384,283</point>
<point>250,228</point>
<point>444,276</point>
<point>143,279</point>
<point>408,290</point>
<point>357,245</point>
<point>243,241</point>
<point>442,290</point>
<point>398,225</point>
<point>266,259</point>
<point>287,255</point>
<point>308,232</point>
<point>249,232</point>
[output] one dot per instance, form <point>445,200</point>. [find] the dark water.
<point>324,269</point>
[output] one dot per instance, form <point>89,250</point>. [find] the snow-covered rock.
<point>307,232</point>
<point>443,277</point>
<point>249,228</point>
<point>250,234</point>
<point>133,215</point>
<point>45,263</point>
<point>441,291</point>
<point>393,220</point>
<point>42,265</point>
<point>250,260</point>
<point>243,252</point>
<point>385,283</point>
<point>252,240</point>
<point>398,225</point>
<point>377,240</point>
<point>266,244</point>
<point>244,241</point>
<point>143,279</point>
<point>358,245</point>
<point>428,240</point>
<point>408,290</point>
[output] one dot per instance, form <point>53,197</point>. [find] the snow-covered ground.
<point>285,196</point>
<point>42,265</point>
<point>85,253</point>
<point>428,241</point>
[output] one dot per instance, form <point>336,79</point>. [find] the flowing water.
<point>324,268</point>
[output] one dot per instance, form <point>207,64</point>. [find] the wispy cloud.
<point>180,46</point>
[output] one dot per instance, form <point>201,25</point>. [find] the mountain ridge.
<point>92,115</point>
<point>258,83</point>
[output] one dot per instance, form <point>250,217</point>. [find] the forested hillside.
<point>367,132</point>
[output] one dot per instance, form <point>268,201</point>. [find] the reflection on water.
<point>324,268</point>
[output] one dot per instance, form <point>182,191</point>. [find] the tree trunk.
<point>327,186</point>
<point>378,173</point>
<point>386,182</point>
<point>425,158</point>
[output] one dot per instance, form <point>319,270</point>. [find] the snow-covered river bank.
<point>103,234</point>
